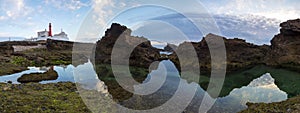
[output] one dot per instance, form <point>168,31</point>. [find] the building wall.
<point>43,34</point>
<point>23,48</point>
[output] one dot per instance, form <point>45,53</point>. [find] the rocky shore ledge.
<point>48,53</point>
<point>291,105</point>
<point>283,52</point>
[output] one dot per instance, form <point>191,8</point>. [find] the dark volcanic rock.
<point>38,77</point>
<point>6,49</point>
<point>283,52</point>
<point>291,27</point>
<point>170,47</point>
<point>59,45</point>
<point>21,43</point>
<point>119,39</point>
<point>285,46</point>
<point>240,54</point>
<point>142,55</point>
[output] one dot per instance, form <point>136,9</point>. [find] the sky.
<point>86,19</point>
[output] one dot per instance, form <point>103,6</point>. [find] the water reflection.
<point>262,89</point>
<point>65,74</point>
<point>165,52</point>
<point>13,77</point>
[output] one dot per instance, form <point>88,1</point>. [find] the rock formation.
<point>240,54</point>
<point>59,45</point>
<point>283,52</point>
<point>285,46</point>
<point>170,47</point>
<point>119,38</point>
<point>6,49</point>
<point>38,77</point>
<point>142,55</point>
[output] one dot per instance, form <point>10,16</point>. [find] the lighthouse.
<point>44,35</point>
<point>50,30</point>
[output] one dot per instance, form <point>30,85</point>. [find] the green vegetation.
<point>9,68</point>
<point>19,60</point>
<point>34,97</point>
<point>33,57</point>
<point>44,57</point>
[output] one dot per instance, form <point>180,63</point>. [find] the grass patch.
<point>21,61</point>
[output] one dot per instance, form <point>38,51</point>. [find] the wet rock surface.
<point>38,77</point>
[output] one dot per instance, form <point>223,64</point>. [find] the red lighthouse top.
<point>50,30</point>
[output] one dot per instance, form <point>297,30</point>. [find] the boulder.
<point>38,77</point>
<point>142,55</point>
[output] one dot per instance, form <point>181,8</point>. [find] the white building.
<point>44,35</point>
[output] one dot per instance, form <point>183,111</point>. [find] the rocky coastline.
<point>282,53</point>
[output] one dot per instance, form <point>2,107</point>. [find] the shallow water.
<point>262,89</point>
<point>65,74</point>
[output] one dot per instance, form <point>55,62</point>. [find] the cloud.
<point>13,9</point>
<point>279,9</point>
<point>97,20</point>
<point>3,34</point>
<point>253,28</point>
<point>2,18</point>
<point>102,10</point>
<point>67,4</point>
<point>282,14</point>
<point>247,6</point>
